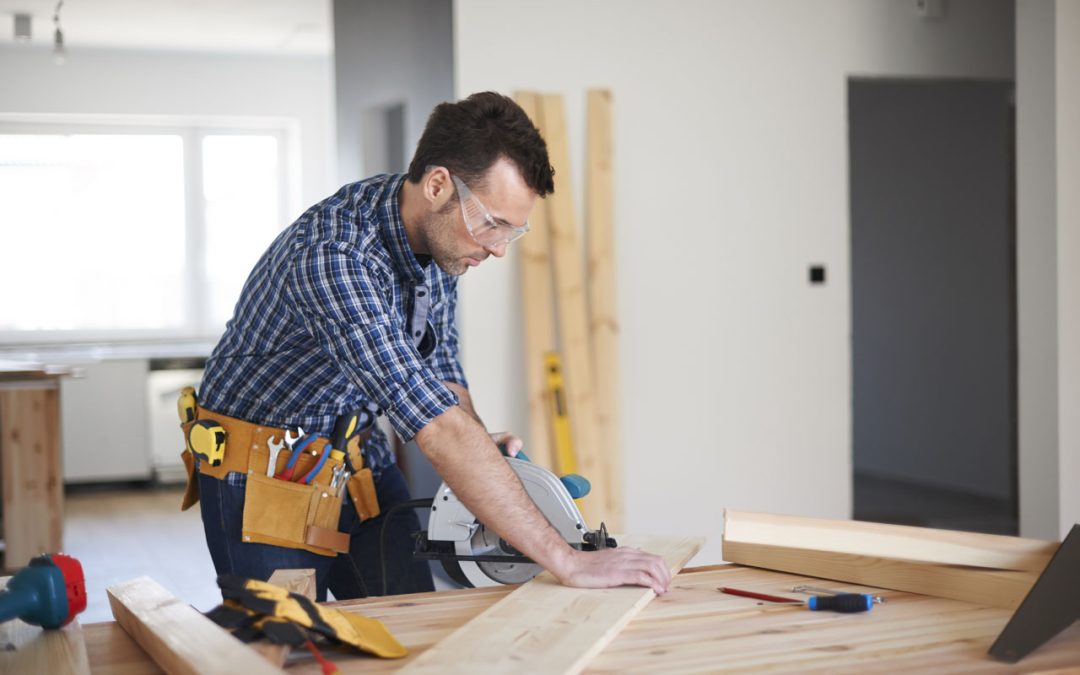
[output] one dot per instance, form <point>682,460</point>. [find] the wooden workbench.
<point>695,628</point>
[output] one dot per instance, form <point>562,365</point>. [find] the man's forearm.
<point>465,456</point>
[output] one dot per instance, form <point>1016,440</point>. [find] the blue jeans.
<point>355,575</point>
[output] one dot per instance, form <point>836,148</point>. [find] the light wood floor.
<point>122,534</point>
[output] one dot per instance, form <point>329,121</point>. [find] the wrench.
<point>275,446</point>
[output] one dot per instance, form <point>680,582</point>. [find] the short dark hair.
<point>468,136</point>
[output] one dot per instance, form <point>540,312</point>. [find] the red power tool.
<point>49,592</point>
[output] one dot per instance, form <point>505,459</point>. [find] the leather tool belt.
<point>280,512</point>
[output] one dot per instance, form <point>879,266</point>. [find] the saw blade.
<point>486,542</point>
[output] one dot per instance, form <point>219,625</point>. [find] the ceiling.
<point>265,26</point>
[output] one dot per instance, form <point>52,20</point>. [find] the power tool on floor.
<point>475,556</point>
<point>49,592</point>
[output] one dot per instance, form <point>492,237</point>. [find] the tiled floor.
<point>121,534</point>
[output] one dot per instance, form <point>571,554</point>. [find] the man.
<point>352,307</point>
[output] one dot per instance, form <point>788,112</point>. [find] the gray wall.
<point>932,291</point>
<point>1037,272</point>
<point>388,54</point>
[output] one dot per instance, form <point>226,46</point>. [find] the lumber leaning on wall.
<point>546,628</point>
<point>570,302</point>
<point>538,308</point>
<point>603,322</point>
<point>177,637</point>
<point>899,542</point>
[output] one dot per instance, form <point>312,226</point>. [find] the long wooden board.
<point>538,308</point>
<point>31,649</point>
<point>992,588</point>
<point>600,271</point>
<point>544,627</point>
<point>898,542</point>
<point>177,637</point>
<point>572,312</point>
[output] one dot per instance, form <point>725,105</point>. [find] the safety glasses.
<point>486,229</point>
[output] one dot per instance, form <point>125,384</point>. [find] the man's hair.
<point>468,136</point>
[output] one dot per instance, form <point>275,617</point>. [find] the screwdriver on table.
<point>846,603</point>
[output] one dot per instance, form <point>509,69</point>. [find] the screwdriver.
<point>846,603</point>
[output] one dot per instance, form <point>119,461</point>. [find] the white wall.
<point>1068,257</point>
<point>298,89</point>
<point>731,178</point>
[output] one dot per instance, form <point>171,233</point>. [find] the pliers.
<point>287,472</point>
<point>318,465</point>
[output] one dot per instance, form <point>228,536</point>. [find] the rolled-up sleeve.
<point>346,307</point>
<point>444,360</point>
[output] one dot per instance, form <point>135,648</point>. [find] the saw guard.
<point>451,520</point>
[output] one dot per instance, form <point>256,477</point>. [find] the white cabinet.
<point>166,438</point>
<point>103,430</point>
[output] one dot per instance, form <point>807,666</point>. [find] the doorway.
<point>933,303</point>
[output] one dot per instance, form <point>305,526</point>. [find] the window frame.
<point>197,326</point>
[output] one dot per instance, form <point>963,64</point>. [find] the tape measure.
<point>206,440</point>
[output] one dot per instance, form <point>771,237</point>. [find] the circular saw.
<point>474,555</point>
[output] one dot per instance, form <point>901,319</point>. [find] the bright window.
<point>132,234</point>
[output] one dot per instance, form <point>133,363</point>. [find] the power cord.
<point>412,504</point>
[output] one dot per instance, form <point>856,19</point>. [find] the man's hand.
<point>614,567</point>
<point>512,443</point>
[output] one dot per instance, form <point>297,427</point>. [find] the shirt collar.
<point>393,231</point>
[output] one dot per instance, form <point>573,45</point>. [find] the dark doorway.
<point>933,303</point>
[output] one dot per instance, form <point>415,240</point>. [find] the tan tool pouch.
<point>362,491</point>
<point>292,514</point>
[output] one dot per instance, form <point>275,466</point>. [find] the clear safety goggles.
<point>486,229</point>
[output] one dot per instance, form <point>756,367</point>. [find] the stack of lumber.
<point>985,569</point>
<point>569,309</point>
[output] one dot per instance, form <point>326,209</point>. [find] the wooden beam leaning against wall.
<point>603,321</point>
<point>573,320</point>
<point>538,309</point>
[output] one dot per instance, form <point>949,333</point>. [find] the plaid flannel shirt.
<point>322,325</point>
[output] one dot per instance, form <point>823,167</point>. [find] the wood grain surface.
<point>897,542</point>
<point>545,627</point>
<point>697,629</point>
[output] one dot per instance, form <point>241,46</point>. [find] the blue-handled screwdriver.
<point>847,603</point>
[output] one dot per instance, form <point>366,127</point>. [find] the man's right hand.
<point>613,567</point>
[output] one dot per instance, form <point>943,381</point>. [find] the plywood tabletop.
<point>695,628</point>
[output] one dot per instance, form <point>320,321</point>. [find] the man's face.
<point>505,196</point>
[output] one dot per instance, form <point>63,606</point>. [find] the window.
<point>110,233</point>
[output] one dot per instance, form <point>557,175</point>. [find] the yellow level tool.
<point>565,458</point>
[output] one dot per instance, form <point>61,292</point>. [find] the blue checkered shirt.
<point>322,325</point>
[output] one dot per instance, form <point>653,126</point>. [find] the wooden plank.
<point>544,627</point>
<point>538,309</point>
<point>603,321</point>
<point>993,588</point>
<point>899,542</point>
<point>30,463</point>
<point>570,302</point>
<point>176,636</point>
<point>31,649</point>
